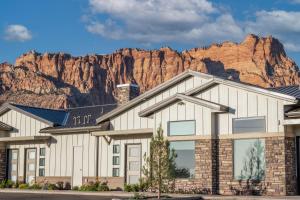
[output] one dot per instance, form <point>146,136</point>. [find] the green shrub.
<point>2,184</point>
<point>90,186</point>
<point>24,186</point>
<point>138,196</point>
<point>35,186</point>
<point>6,183</point>
<point>103,187</point>
<point>132,188</point>
<point>127,188</point>
<point>52,187</point>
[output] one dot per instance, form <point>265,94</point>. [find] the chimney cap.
<point>127,85</point>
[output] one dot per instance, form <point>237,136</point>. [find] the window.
<point>181,127</point>
<point>185,160</point>
<point>42,162</point>
<point>116,160</point>
<point>249,124</point>
<point>116,172</point>
<point>249,159</point>
<point>116,148</point>
<point>41,172</point>
<point>42,152</point>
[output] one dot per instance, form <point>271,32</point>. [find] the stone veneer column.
<point>2,162</point>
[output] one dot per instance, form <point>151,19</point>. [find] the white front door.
<point>30,166</point>
<point>13,157</point>
<point>133,163</point>
<point>77,166</point>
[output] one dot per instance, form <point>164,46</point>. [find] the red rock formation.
<point>60,80</point>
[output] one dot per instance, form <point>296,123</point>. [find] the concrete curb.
<point>110,193</point>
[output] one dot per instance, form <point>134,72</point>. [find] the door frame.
<point>25,163</point>
<point>125,163</point>
<point>7,162</point>
<point>73,164</point>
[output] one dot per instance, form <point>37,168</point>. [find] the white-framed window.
<point>186,127</point>
<point>42,161</point>
<point>116,172</point>
<point>116,160</point>
<point>249,159</point>
<point>185,158</point>
<point>249,125</point>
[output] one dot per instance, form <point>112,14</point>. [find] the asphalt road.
<point>24,196</point>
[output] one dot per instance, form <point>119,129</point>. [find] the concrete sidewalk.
<point>121,194</point>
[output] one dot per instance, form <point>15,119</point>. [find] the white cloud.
<point>197,22</point>
<point>16,32</point>
<point>151,21</point>
<point>281,24</point>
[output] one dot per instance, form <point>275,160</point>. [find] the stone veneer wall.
<point>214,169</point>
<point>2,162</point>
<point>126,92</point>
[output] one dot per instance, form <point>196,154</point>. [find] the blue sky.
<point>81,27</point>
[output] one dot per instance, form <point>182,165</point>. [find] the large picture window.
<point>185,160</point>
<point>249,159</point>
<point>181,127</point>
<point>249,125</point>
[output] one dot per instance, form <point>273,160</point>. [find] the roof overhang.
<point>181,97</point>
<point>7,106</point>
<point>124,132</point>
<point>88,129</point>
<point>25,139</point>
<point>291,122</point>
<point>5,127</point>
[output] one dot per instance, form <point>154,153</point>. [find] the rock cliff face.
<point>60,80</point>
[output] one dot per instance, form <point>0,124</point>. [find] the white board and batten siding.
<point>106,154</point>
<point>131,120</point>
<point>58,160</point>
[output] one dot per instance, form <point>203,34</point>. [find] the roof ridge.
<point>109,104</point>
<point>51,109</point>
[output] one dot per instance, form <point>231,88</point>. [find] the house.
<point>229,137</point>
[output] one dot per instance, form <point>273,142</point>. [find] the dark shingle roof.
<point>54,116</point>
<point>69,118</point>
<point>292,90</point>
<point>85,116</point>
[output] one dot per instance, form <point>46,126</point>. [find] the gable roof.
<point>214,80</point>
<point>162,104</point>
<point>51,117</point>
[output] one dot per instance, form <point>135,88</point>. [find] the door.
<point>30,167</point>
<point>13,157</point>
<point>133,164</point>
<point>77,166</point>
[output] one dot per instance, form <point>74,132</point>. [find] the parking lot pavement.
<point>31,196</point>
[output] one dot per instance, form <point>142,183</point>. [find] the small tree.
<point>160,164</point>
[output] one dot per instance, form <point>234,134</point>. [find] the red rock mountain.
<point>60,80</point>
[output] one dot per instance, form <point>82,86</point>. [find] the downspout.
<point>97,158</point>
